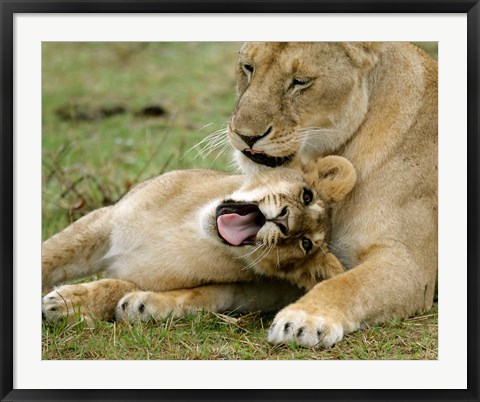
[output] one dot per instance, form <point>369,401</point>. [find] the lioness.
<point>376,105</point>
<point>172,234</point>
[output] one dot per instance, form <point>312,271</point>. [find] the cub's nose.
<point>250,140</point>
<point>282,220</point>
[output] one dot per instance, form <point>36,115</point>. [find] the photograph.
<point>239,201</point>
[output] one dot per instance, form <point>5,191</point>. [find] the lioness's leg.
<point>75,252</point>
<point>374,291</point>
<point>251,296</point>
<point>93,300</point>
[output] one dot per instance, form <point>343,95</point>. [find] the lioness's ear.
<point>364,54</point>
<point>333,176</point>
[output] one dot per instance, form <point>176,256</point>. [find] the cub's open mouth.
<point>239,222</point>
<point>264,159</point>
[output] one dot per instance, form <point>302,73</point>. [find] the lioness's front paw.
<point>304,329</point>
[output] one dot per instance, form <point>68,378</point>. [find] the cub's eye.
<point>301,82</point>
<point>247,68</point>
<point>307,196</point>
<point>306,245</point>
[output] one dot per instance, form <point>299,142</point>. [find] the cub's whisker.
<point>258,245</point>
<point>259,258</point>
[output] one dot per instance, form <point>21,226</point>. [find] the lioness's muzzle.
<point>264,159</point>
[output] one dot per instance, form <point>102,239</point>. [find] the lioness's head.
<point>278,222</point>
<point>298,99</point>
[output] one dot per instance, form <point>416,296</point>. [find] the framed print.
<point>102,101</point>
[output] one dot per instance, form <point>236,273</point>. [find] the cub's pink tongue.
<point>235,229</point>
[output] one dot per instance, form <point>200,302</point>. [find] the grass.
<point>118,113</point>
<point>209,336</point>
<point>91,156</point>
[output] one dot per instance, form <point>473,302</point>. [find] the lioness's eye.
<point>301,82</point>
<point>306,245</point>
<point>247,68</point>
<point>307,196</point>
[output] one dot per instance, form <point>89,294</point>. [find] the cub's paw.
<point>132,307</point>
<point>144,306</point>
<point>66,303</point>
<point>304,329</point>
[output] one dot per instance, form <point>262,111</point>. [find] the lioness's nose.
<point>282,220</point>
<point>252,139</point>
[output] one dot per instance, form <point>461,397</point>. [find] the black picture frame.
<point>10,8</point>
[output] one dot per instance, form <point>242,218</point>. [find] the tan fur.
<point>375,104</point>
<point>161,241</point>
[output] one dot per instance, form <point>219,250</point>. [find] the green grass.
<point>209,336</point>
<point>430,47</point>
<point>92,156</point>
<point>91,160</point>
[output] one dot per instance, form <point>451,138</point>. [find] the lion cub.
<point>199,239</point>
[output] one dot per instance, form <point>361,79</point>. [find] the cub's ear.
<point>364,54</point>
<point>333,176</point>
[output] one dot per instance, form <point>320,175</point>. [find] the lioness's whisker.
<point>306,143</point>
<point>211,147</point>
<point>310,134</point>
<point>205,126</point>
<point>226,147</point>
<point>211,139</point>
<point>208,143</point>
<point>315,129</point>
<point>208,150</point>
<point>216,138</point>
